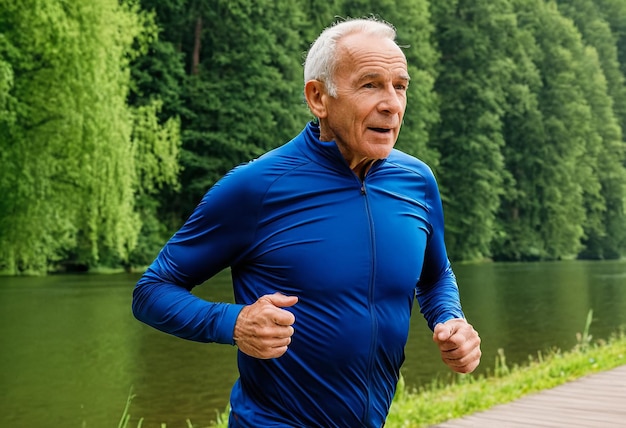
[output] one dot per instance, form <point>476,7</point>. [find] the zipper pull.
<point>363,189</point>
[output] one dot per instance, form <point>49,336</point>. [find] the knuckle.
<point>265,332</point>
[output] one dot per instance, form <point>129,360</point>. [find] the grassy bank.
<point>437,402</point>
<point>467,394</point>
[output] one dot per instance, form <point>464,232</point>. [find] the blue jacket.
<point>298,221</point>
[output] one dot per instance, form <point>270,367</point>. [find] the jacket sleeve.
<point>212,238</point>
<point>437,291</point>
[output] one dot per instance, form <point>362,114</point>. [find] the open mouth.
<point>381,130</point>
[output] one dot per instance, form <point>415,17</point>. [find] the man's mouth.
<point>381,130</point>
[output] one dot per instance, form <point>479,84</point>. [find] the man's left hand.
<point>459,345</point>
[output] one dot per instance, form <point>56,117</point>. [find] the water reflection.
<point>70,349</point>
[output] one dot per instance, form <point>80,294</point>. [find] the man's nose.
<point>391,102</point>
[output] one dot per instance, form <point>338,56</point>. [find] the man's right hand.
<point>263,330</point>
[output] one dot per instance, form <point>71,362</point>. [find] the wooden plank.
<point>596,401</point>
<point>561,414</point>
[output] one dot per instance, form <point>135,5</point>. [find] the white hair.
<point>321,60</point>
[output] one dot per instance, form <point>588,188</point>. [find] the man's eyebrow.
<point>405,77</point>
<point>369,76</point>
<point>374,76</point>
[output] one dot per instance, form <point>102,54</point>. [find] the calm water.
<point>70,349</point>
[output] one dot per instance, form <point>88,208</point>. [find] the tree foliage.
<point>474,75</point>
<point>66,140</point>
<point>605,93</point>
<point>242,92</point>
<point>116,116</point>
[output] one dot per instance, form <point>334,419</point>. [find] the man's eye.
<point>401,87</point>
<point>369,85</point>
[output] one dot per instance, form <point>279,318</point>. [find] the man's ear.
<point>315,95</point>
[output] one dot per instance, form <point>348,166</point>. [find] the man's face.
<point>365,117</point>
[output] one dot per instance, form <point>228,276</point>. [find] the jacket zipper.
<point>370,303</point>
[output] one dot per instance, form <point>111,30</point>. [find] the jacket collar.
<point>325,153</point>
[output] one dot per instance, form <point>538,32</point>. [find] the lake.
<point>70,349</point>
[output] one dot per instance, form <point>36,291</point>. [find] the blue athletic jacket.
<point>298,221</point>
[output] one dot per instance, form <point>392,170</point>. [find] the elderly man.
<point>329,238</point>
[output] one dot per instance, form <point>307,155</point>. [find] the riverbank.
<point>441,402</point>
<point>462,395</point>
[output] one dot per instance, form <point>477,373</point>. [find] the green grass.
<point>467,394</point>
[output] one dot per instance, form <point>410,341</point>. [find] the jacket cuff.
<point>226,328</point>
<point>447,316</point>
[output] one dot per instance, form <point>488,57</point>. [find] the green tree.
<point>157,85</point>
<point>614,12</point>
<point>156,149</point>
<point>475,72</point>
<point>70,171</point>
<point>566,157</point>
<point>242,93</point>
<point>594,24</point>
<point>604,227</point>
<point>319,14</point>
<point>517,229</point>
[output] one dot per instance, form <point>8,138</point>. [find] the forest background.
<point>116,116</point>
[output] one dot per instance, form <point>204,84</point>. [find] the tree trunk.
<point>196,46</point>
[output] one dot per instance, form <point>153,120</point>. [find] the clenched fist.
<point>459,345</point>
<point>263,329</point>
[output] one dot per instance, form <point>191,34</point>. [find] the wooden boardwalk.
<point>595,401</point>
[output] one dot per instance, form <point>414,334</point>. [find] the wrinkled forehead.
<point>362,54</point>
